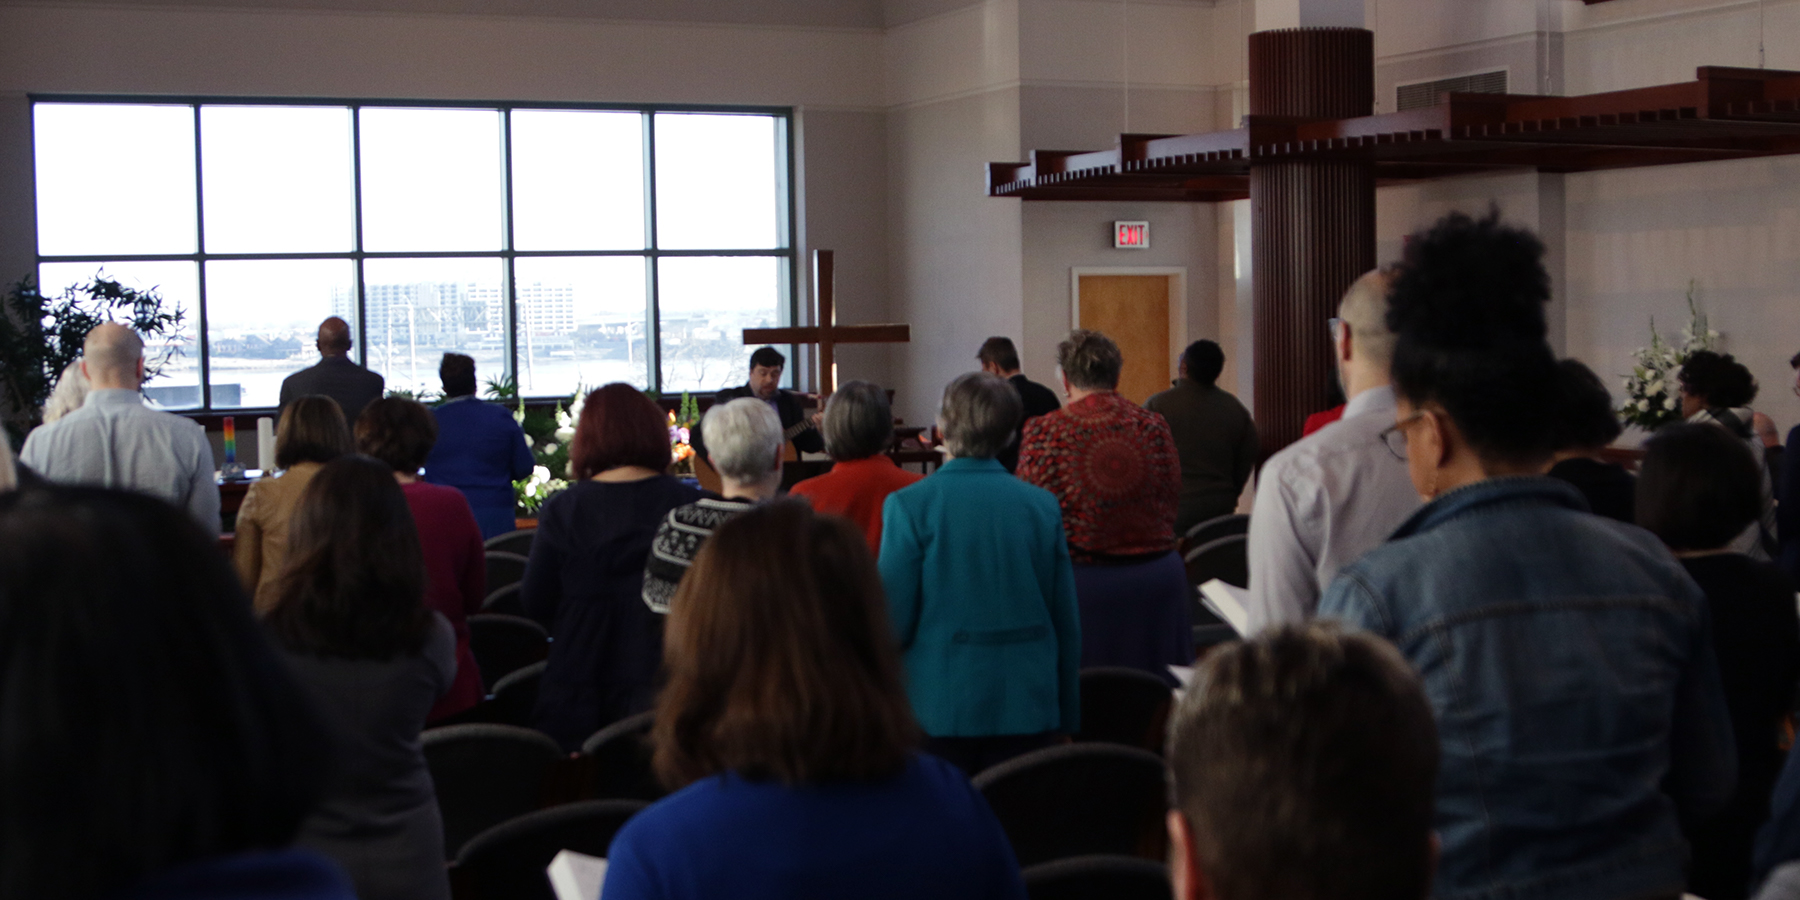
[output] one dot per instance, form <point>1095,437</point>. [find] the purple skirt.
<point>1136,615</point>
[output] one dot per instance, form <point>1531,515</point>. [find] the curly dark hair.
<point>1467,312</point>
<point>1718,380</point>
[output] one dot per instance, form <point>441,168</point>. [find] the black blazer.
<point>787,408</point>
<point>351,385</point>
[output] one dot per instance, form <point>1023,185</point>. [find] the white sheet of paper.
<point>576,876</point>
<point>1227,601</point>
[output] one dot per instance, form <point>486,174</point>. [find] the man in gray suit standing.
<point>335,376</point>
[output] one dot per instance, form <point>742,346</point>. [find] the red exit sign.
<point>1131,235</point>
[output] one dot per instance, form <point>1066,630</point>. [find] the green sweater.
<point>982,595</point>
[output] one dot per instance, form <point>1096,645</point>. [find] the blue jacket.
<point>1569,662</point>
<point>982,595</point>
<point>480,451</point>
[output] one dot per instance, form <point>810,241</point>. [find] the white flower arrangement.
<point>533,491</point>
<point>1652,390</point>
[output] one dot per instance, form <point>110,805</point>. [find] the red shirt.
<point>856,489</point>
<point>456,579</point>
<point>1113,467</point>
<point>1319,420</point>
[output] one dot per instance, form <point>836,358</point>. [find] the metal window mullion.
<point>200,264</point>
<point>509,286</point>
<point>652,261</point>
<point>794,273</point>
<point>356,238</point>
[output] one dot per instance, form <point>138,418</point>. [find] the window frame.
<point>787,221</point>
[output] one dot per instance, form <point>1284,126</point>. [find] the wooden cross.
<point>828,333</point>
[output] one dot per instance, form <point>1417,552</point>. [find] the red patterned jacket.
<point>1113,467</point>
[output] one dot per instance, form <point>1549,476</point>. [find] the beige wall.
<point>901,103</point>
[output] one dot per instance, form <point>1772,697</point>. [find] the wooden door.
<point>1133,310</point>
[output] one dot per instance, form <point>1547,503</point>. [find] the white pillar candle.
<point>265,445</point>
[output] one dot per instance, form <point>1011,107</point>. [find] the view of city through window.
<point>567,247</point>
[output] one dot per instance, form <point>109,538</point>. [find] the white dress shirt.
<point>115,441</point>
<point>1322,503</point>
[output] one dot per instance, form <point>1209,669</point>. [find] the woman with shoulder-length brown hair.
<point>312,432</point>
<point>786,727</point>
<point>351,619</point>
<point>585,580</point>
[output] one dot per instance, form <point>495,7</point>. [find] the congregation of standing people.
<point>1483,658</point>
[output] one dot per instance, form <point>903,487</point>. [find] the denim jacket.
<point>1569,662</point>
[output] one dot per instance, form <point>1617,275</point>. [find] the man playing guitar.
<point>799,430</point>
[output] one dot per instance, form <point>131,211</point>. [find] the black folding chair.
<point>512,542</point>
<point>515,696</point>
<point>1079,800</point>
<point>505,644</point>
<point>504,568</point>
<point>620,756</point>
<point>507,861</point>
<point>1098,878</point>
<point>485,774</point>
<point>1124,706</point>
<point>504,602</point>
<point>1215,528</point>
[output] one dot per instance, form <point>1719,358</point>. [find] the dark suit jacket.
<point>351,385</point>
<point>787,407</point>
<point>1039,401</point>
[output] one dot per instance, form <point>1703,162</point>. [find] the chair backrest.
<point>1078,800</point>
<point>504,601</point>
<point>1226,559</point>
<point>515,696</point>
<point>620,756</point>
<point>1094,877</point>
<point>504,644</point>
<point>504,568</point>
<point>507,861</point>
<point>1124,706</point>
<point>512,542</point>
<point>1215,528</point>
<point>484,775</point>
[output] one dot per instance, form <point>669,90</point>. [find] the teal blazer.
<point>982,595</point>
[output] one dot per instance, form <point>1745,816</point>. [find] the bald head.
<point>113,357</point>
<point>1364,310</point>
<point>334,337</point>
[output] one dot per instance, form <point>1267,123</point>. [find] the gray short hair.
<point>858,422</point>
<point>743,438</point>
<point>1090,360</point>
<point>980,414</point>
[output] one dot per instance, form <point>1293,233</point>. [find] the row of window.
<point>567,247</point>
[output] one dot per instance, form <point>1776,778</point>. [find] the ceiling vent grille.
<point>1426,93</point>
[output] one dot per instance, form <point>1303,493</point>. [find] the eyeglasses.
<point>1395,435</point>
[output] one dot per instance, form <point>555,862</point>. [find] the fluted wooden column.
<point>1312,222</point>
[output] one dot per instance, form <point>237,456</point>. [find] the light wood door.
<point>1133,310</point>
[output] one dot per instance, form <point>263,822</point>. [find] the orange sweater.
<point>856,489</point>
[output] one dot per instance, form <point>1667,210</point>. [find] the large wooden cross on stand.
<point>825,331</point>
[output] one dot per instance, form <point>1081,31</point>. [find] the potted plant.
<point>40,335</point>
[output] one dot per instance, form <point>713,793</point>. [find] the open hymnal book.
<point>1227,601</point>
<point>576,876</point>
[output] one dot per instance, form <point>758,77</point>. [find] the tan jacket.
<point>262,531</point>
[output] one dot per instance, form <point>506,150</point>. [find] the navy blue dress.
<point>480,451</point>
<point>585,584</point>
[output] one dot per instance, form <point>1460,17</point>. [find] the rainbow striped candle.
<point>230,440</point>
